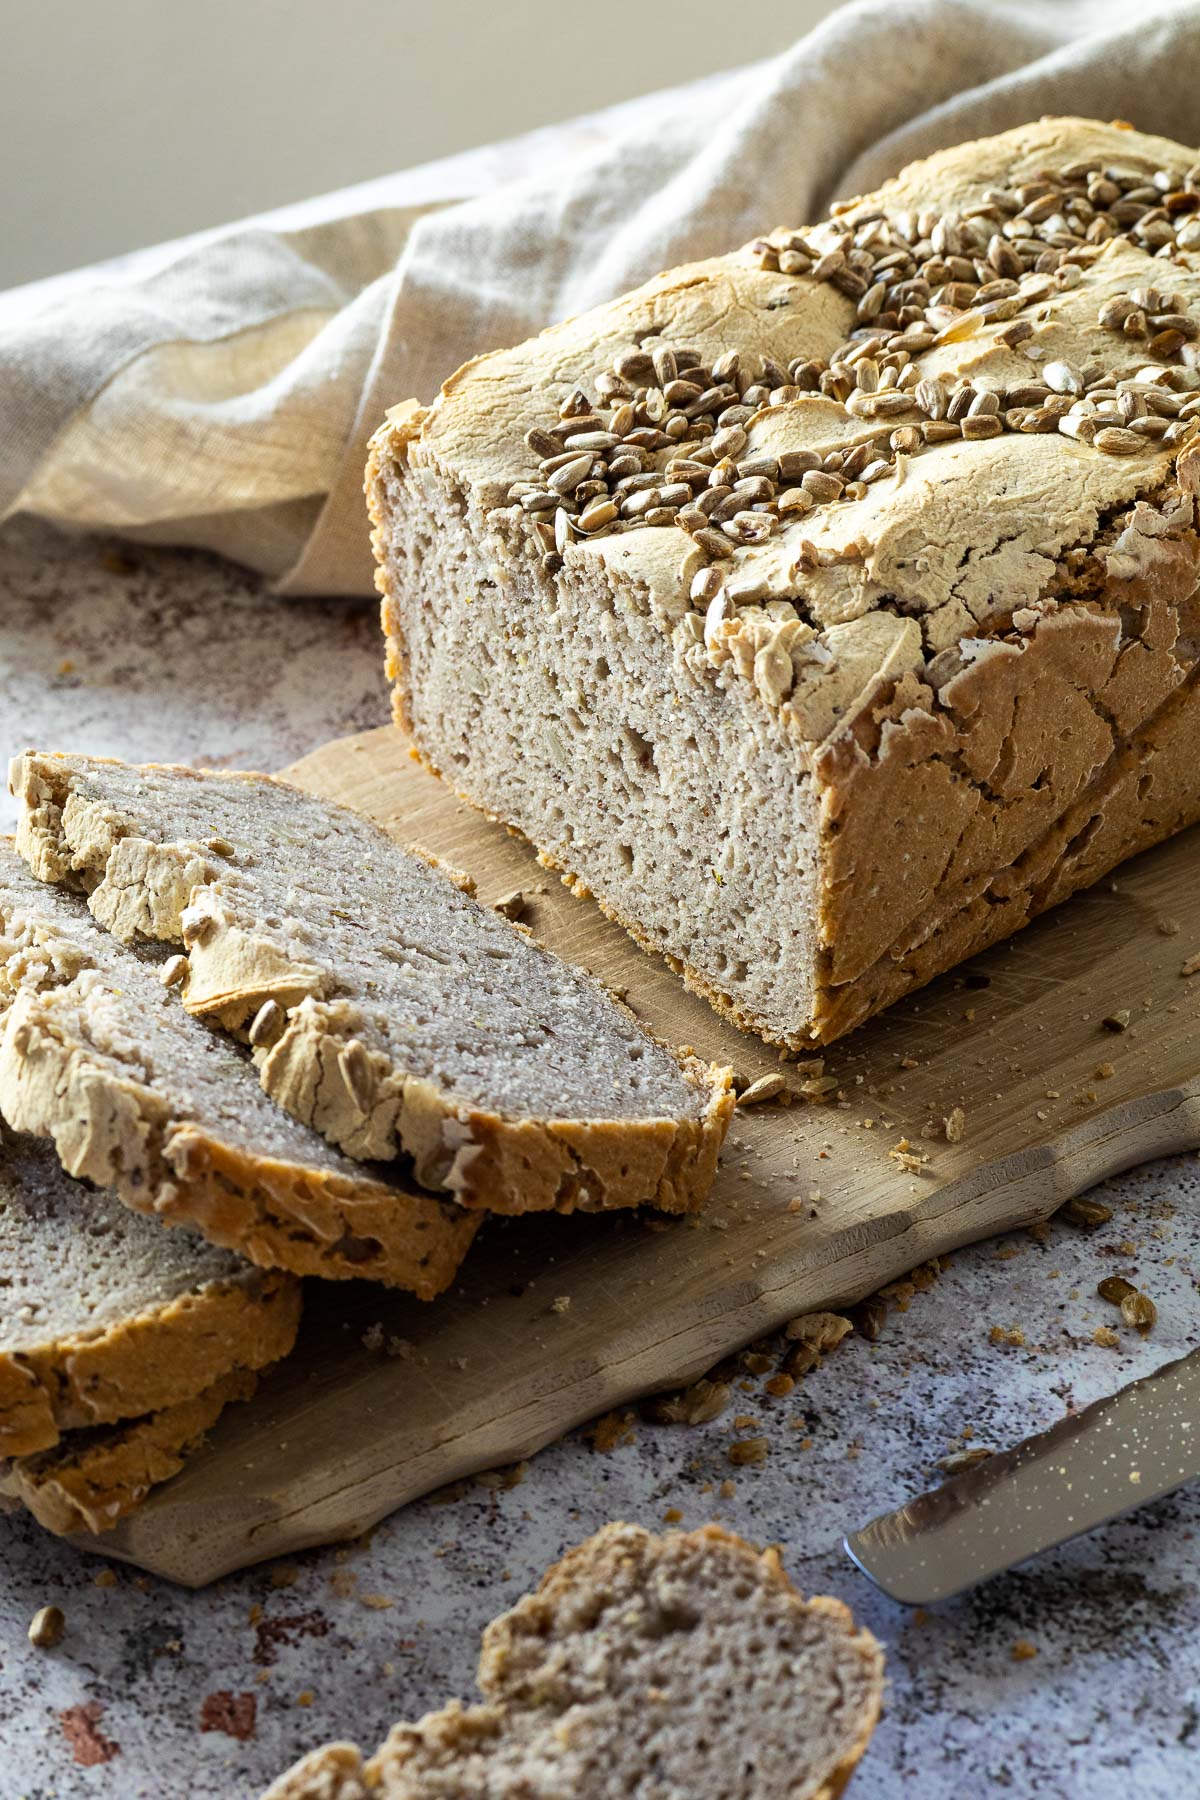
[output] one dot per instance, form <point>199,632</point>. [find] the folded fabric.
<point>225,397</point>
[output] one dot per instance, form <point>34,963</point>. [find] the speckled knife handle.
<point>1118,1453</point>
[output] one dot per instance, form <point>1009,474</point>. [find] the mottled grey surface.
<point>151,654</point>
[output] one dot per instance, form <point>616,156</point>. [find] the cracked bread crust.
<point>82,1024</point>
<point>94,1478</point>
<point>895,661</point>
<point>328,1067</point>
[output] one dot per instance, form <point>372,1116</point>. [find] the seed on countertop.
<point>1138,1309</point>
<point>1115,1288</point>
<point>1085,1212</point>
<point>1116,1021</point>
<point>46,1627</point>
<point>511,906</point>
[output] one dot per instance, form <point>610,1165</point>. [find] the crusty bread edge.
<point>146,1362</point>
<point>483,1159</point>
<point>89,1487</point>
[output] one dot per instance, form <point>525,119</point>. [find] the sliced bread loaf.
<point>93,1478</point>
<point>641,1668</point>
<point>104,1316</point>
<point>139,1097</point>
<point>391,1010</point>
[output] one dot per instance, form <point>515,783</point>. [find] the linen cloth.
<point>225,396</point>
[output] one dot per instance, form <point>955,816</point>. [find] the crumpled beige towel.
<point>225,399</point>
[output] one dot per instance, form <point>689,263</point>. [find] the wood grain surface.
<point>810,1209</point>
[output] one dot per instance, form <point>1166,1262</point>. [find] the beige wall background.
<point>126,121</point>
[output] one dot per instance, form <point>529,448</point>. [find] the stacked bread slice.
<point>388,1008</point>
<point>348,1065</point>
<point>685,1667</point>
<point>120,1342</point>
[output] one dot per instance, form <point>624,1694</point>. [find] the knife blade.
<point>1116,1454</point>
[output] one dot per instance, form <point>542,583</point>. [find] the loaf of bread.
<point>105,1316</point>
<point>684,1667</point>
<point>389,1009</point>
<point>92,1478</point>
<point>828,609</point>
<point>138,1096</point>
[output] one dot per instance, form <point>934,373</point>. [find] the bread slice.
<point>829,608</point>
<point>104,1316</point>
<point>407,1018</point>
<point>93,1478</point>
<point>680,1667</point>
<point>139,1097</point>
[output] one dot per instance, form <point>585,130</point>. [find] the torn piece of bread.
<point>105,1316</point>
<point>139,1097</point>
<point>829,609</point>
<point>641,1668</point>
<point>389,1009</point>
<point>92,1478</point>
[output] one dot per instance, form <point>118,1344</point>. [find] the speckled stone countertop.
<point>1077,1677</point>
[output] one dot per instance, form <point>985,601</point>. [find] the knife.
<point>1117,1454</point>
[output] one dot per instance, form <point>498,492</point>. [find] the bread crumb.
<point>1192,965</point>
<point>1023,1650</point>
<point>748,1450</point>
<point>672,1516</point>
<point>511,906</point>
<point>561,1303</point>
<point>954,1125</point>
<point>284,1575</point>
<point>1106,1337</point>
<point>305,1697</point>
<point>105,1579</point>
<point>376,1602</point>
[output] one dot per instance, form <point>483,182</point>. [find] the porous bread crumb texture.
<point>104,1316</point>
<point>140,1097</point>
<point>92,1478</point>
<point>939,670</point>
<point>662,1668</point>
<point>388,1009</point>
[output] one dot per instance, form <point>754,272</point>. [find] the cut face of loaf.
<point>828,609</point>
<point>401,1016</point>
<point>104,1316</point>
<point>93,1478</point>
<point>141,1098</point>
<point>671,1668</point>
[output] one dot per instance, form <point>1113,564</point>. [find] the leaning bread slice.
<point>105,1316</point>
<point>93,1478</point>
<point>139,1097</point>
<point>663,1668</point>
<point>392,1011</point>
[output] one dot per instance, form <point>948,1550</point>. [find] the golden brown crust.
<point>145,1363</point>
<point>1061,580</point>
<point>315,1223</point>
<point>87,1484</point>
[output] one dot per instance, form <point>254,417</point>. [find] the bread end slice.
<point>682,1666</point>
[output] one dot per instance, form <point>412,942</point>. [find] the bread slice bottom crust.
<point>93,1478</point>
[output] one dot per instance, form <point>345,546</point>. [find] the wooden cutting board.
<point>342,1433</point>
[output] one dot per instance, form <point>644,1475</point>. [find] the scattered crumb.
<point>1106,1337</point>
<point>305,1697</point>
<point>954,1125</point>
<point>284,1575</point>
<point>234,1714</point>
<point>561,1303</point>
<point>1023,1650</point>
<point>610,1431</point>
<point>377,1602</point>
<point>105,1579</point>
<point>81,1728</point>
<point>1192,965</point>
<point>1011,1335</point>
<point>748,1450</point>
<point>510,905</point>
